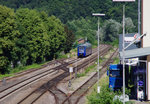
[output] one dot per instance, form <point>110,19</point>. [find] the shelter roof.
<point>139,52</point>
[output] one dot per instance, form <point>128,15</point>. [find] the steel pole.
<point>76,69</point>
<point>139,17</point>
<point>123,54</point>
<point>98,87</point>
<point>98,32</point>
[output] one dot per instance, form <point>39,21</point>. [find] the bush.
<point>105,97</point>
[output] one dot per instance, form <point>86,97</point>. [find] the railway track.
<point>93,58</point>
<point>32,97</point>
<point>61,98</point>
<point>53,62</point>
<point>60,95</point>
<point>26,80</point>
<point>81,66</point>
<point>82,90</point>
<point>19,74</point>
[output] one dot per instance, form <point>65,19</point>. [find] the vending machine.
<point>141,84</point>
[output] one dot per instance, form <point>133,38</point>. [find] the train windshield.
<point>81,49</point>
<point>115,73</point>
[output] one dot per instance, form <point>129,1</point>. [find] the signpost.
<point>76,69</point>
<point>132,61</point>
<point>70,71</point>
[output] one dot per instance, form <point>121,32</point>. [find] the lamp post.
<point>98,32</point>
<point>139,17</point>
<point>123,49</point>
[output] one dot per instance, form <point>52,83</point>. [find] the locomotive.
<point>84,50</point>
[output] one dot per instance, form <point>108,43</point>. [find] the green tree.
<point>68,10</point>
<point>110,30</point>
<point>83,28</point>
<point>70,39</point>
<point>8,36</point>
<point>32,43</point>
<point>129,26</point>
<point>56,36</point>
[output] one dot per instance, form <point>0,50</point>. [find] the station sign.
<point>70,69</point>
<point>123,0</point>
<point>132,61</point>
<point>128,39</point>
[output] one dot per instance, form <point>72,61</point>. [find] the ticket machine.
<point>140,83</point>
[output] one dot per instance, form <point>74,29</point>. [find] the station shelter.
<point>138,55</point>
<point>137,59</point>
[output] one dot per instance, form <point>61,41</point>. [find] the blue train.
<point>115,76</point>
<point>84,50</point>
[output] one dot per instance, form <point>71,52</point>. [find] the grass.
<point>114,43</point>
<point>94,46</point>
<point>90,67</point>
<point>62,56</point>
<point>71,54</point>
<point>86,71</point>
<point>19,69</point>
<point>116,60</point>
<point>12,71</point>
<point>103,82</point>
<point>5,75</point>
<point>80,75</point>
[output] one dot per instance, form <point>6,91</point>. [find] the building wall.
<point>146,39</point>
<point>146,22</point>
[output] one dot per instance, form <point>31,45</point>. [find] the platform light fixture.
<point>98,14</point>
<point>98,32</point>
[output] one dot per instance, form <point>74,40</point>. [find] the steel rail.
<point>85,86</point>
<point>49,84</point>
